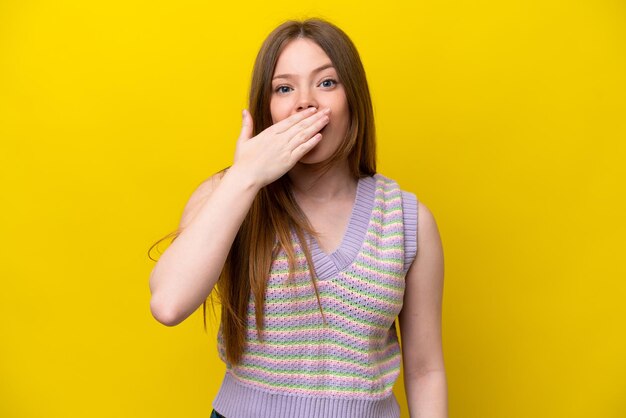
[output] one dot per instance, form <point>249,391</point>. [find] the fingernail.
<point>327,110</point>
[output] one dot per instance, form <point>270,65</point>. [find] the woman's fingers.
<point>246,126</point>
<point>303,124</point>
<point>305,147</point>
<point>304,134</point>
<point>292,120</point>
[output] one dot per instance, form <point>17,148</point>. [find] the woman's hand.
<point>273,152</point>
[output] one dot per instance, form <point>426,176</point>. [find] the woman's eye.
<point>283,89</point>
<point>328,83</point>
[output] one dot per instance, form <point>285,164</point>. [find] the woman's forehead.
<point>301,56</point>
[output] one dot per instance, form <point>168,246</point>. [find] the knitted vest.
<point>347,368</point>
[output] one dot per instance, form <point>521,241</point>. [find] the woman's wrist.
<point>244,178</point>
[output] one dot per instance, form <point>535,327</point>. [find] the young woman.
<point>312,253</point>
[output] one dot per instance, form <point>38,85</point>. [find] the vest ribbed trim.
<point>235,397</point>
<point>409,211</point>
<point>328,265</point>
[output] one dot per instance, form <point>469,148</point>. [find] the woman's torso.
<point>353,360</point>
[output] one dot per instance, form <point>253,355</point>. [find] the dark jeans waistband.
<point>215,414</point>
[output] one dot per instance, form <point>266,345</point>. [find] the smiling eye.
<point>282,89</point>
<point>328,83</point>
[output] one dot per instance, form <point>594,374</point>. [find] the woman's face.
<point>305,77</point>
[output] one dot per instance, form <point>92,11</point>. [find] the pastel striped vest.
<point>347,368</point>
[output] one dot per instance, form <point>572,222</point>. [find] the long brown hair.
<point>274,213</point>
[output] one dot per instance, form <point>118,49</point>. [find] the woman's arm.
<point>189,268</point>
<point>420,325</point>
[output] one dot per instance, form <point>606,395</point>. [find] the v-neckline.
<point>328,264</point>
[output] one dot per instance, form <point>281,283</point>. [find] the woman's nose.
<point>305,100</point>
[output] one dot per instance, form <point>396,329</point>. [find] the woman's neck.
<point>307,182</point>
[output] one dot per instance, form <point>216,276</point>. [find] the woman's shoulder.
<point>391,184</point>
<point>410,197</point>
<point>417,215</point>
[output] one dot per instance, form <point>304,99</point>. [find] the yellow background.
<point>506,118</point>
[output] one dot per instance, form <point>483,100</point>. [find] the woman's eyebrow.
<point>317,70</point>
